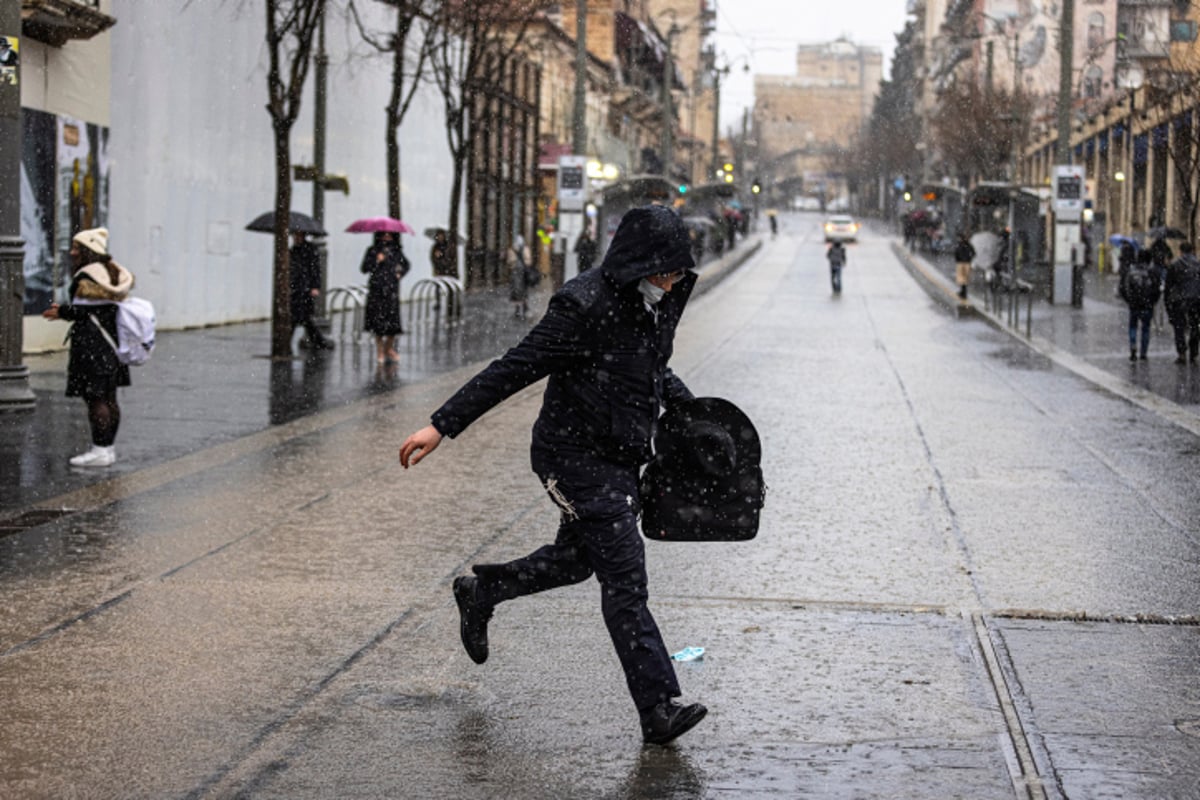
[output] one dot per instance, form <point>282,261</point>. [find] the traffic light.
<point>683,187</point>
<point>756,187</point>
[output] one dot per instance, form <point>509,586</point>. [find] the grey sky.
<point>765,33</point>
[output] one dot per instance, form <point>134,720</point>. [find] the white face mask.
<point>650,292</point>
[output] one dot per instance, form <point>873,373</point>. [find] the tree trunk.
<point>281,317</point>
<point>456,185</point>
<point>393,114</point>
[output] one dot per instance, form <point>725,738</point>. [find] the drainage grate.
<point>32,518</point>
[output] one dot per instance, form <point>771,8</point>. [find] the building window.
<point>1093,80</point>
<point>1095,32</point>
<point>1183,30</point>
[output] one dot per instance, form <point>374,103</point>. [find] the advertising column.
<point>572,202</point>
<point>1067,201</point>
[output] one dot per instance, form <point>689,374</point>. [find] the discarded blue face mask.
<point>690,654</point>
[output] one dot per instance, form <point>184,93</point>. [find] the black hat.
<point>705,481</point>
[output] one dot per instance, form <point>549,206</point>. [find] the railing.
<point>435,297</point>
<point>347,301</point>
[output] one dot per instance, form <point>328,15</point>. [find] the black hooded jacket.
<point>605,353</point>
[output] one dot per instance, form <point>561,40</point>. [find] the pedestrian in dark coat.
<point>1161,253</point>
<point>518,276</point>
<point>1182,299</point>
<point>585,250</point>
<point>442,256</point>
<point>304,277</point>
<point>93,369</point>
<point>385,263</point>
<point>1140,287</point>
<point>964,254</point>
<point>604,344</point>
<point>837,259</point>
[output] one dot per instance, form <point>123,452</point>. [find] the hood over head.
<point>651,240</point>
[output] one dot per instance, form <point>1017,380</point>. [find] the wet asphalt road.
<point>976,577</point>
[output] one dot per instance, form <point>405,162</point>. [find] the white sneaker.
<point>96,457</point>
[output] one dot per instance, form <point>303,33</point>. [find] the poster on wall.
<point>10,58</point>
<point>64,189</point>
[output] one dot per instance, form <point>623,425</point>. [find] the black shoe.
<point>669,720</point>
<point>1179,359</point>
<point>1143,356</point>
<point>1133,355</point>
<point>473,619</point>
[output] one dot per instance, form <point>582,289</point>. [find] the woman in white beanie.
<point>93,371</point>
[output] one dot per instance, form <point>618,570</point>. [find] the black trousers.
<point>598,535</point>
<point>1186,321</point>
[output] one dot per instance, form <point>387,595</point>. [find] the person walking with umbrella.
<point>604,344</point>
<point>385,264</point>
<point>304,275</point>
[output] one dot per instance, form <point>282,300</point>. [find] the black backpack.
<point>1141,284</point>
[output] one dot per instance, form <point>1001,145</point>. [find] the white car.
<point>841,228</point>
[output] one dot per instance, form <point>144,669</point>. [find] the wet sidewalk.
<point>1091,340</point>
<point>208,386</point>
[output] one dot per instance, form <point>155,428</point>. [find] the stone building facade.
<point>801,121</point>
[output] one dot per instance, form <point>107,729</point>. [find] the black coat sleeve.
<point>674,389</point>
<point>554,344</point>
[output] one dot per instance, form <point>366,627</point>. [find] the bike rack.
<point>435,297</point>
<point>348,301</point>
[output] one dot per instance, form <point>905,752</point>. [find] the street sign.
<point>1068,195</point>
<point>572,183</point>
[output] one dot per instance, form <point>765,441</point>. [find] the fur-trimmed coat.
<point>92,367</point>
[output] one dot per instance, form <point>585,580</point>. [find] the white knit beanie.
<point>94,239</point>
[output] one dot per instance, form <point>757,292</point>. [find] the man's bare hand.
<point>419,445</point>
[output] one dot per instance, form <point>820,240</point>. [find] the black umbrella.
<point>1164,232</point>
<point>432,232</point>
<point>297,223</point>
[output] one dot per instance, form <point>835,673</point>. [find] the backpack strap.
<point>107,336</point>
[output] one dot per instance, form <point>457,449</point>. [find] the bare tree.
<point>975,130</point>
<point>411,16</point>
<point>474,36</point>
<point>290,28</point>
<point>1172,96</point>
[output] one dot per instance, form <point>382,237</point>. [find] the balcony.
<point>56,22</point>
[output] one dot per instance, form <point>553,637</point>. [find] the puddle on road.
<point>1021,357</point>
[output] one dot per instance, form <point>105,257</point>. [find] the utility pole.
<point>15,394</point>
<point>1066,57</point>
<point>668,124</point>
<point>579,143</point>
<point>716,132</point>
<point>1067,195</point>
<point>318,204</point>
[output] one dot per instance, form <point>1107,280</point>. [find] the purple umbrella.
<point>377,224</point>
